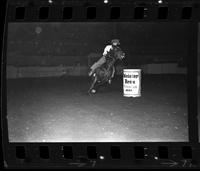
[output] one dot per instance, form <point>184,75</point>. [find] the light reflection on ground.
<point>59,110</point>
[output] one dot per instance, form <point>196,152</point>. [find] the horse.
<point>104,73</point>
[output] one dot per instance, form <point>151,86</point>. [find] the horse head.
<point>119,54</point>
<point>115,54</point>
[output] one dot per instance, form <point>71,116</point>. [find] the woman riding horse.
<point>114,44</point>
<point>105,72</point>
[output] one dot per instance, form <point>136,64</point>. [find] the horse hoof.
<point>93,91</point>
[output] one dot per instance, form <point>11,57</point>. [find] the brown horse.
<point>104,73</point>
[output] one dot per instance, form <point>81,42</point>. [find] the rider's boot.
<point>109,81</point>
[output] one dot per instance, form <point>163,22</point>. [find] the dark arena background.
<point>47,83</point>
<point>198,79</point>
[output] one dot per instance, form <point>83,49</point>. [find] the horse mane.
<point>111,54</point>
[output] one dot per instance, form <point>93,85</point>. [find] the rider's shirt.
<point>107,49</point>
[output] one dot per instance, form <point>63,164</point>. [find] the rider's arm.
<point>107,49</point>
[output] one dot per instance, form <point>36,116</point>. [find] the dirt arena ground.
<point>60,110</point>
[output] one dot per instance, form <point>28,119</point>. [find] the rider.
<point>102,60</point>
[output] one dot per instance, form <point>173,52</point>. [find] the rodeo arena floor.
<point>60,110</point>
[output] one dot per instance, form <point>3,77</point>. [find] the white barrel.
<point>132,82</point>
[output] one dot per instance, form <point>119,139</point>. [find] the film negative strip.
<point>101,84</point>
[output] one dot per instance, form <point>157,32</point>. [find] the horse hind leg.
<point>92,85</point>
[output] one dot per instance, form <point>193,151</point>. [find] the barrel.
<point>131,82</point>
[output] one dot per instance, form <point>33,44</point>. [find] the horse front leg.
<point>92,85</point>
<point>112,75</point>
<point>113,72</point>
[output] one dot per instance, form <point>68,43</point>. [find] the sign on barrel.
<point>132,82</point>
